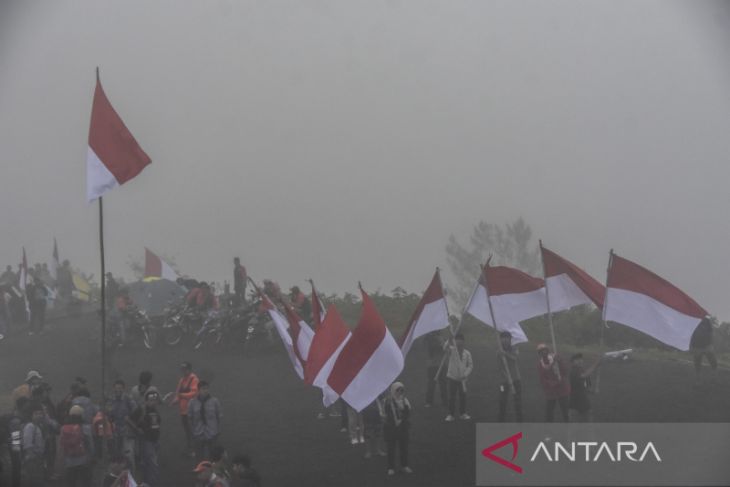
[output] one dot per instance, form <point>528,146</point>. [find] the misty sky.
<point>345,141</point>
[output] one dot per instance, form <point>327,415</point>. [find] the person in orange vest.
<point>187,389</point>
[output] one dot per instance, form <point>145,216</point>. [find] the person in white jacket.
<point>460,366</point>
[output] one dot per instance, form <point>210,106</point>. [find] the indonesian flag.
<point>369,362</point>
<point>156,267</point>
<point>514,296</point>
<point>568,285</point>
<point>318,309</point>
<point>638,298</point>
<point>328,342</point>
<point>113,157</point>
<point>126,480</point>
<point>55,263</point>
<point>301,334</point>
<point>23,277</point>
<point>431,314</point>
<point>282,327</point>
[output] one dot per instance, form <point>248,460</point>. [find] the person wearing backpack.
<point>34,448</point>
<point>146,421</point>
<point>77,448</point>
<point>15,425</point>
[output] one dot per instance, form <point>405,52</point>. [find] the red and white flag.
<point>282,328</point>
<point>369,362</point>
<point>126,480</point>
<point>301,334</point>
<point>156,267</point>
<point>318,309</point>
<point>638,298</point>
<point>328,342</point>
<point>431,314</point>
<point>113,156</point>
<point>514,296</point>
<point>567,284</point>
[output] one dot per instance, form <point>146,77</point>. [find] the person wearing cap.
<point>206,477</point>
<point>77,448</point>
<point>555,382</point>
<point>205,415</point>
<point>460,366</point>
<point>187,389</point>
<point>510,354</point>
<point>32,380</point>
<point>397,426</point>
<point>580,386</point>
<point>146,421</point>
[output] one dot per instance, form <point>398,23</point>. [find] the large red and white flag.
<point>114,156</point>
<point>514,295</point>
<point>300,332</point>
<point>282,328</point>
<point>156,267</point>
<point>431,314</point>
<point>638,298</point>
<point>318,309</point>
<point>328,342</point>
<point>567,284</point>
<point>369,362</point>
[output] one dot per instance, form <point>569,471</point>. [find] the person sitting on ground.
<point>243,475</point>
<point>397,426</point>
<point>580,386</point>
<point>459,368</point>
<point>701,346</point>
<point>206,477</point>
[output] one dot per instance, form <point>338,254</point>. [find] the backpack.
<point>15,426</point>
<point>72,440</point>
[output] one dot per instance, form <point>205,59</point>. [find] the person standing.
<point>580,386</point>
<point>510,354</point>
<point>372,417</point>
<point>32,380</point>
<point>4,311</point>
<point>460,366</point>
<point>16,424</point>
<point>701,346</point>
<point>146,421</point>
<point>355,426</point>
<point>435,352</point>
<point>187,389</point>
<point>555,382</point>
<point>77,448</point>
<point>397,427</point>
<point>240,279</point>
<point>112,290</point>
<point>34,448</point>
<point>138,391</point>
<point>37,295</point>
<point>121,406</point>
<point>205,416</point>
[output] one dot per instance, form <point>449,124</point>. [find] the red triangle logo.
<point>512,440</point>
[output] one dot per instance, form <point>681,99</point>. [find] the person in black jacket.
<point>397,427</point>
<point>701,346</point>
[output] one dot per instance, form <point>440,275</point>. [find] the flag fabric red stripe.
<point>366,338</point>
<point>434,292</point>
<point>152,264</point>
<point>331,333</point>
<point>112,141</point>
<point>556,265</point>
<point>507,280</point>
<point>630,276</point>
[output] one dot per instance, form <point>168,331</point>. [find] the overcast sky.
<point>345,141</point>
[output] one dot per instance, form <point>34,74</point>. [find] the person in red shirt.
<point>240,278</point>
<point>187,389</point>
<point>555,382</point>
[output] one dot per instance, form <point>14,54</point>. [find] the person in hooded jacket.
<point>396,427</point>
<point>204,412</point>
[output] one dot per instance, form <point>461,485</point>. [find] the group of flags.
<point>358,365</point>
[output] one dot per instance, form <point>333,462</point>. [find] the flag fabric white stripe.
<point>650,316</point>
<point>564,293</point>
<point>304,340</point>
<point>433,317</point>
<point>167,272</point>
<point>479,309</point>
<point>282,326</point>
<point>99,179</point>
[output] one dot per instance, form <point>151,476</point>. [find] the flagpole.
<point>451,329</point>
<point>103,308</point>
<point>496,330</point>
<point>549,312</point>
<point>597,389</point>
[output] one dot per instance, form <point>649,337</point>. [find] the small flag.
<point>156,267</point>
<point>431,314</point>
<point>113,156</point>
<point>369,362</point>
<point>638,298</point>
<point>318,309</point>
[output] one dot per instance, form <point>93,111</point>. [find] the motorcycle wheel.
<point>173,335</point>
<point>149,337</point>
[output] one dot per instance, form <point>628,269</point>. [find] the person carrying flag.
<point>555,383</point>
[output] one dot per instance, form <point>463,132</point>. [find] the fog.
<point>346,141</point>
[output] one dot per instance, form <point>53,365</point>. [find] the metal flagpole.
<point>597,389</point>
<point>549,312</point>
<point>103,311</point>
<point>496,330</point>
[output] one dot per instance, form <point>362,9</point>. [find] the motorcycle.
<point>179,321</point>
<point>133,321</point>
